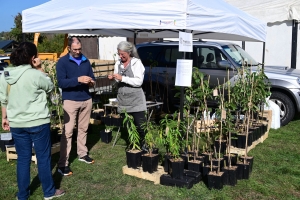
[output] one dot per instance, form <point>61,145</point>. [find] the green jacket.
<point>26,101</point>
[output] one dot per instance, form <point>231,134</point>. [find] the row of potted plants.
<point>242,99</point>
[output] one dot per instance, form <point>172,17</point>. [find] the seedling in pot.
<point>133,134</point>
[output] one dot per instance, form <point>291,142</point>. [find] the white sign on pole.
<point>185,42</point>
<point>184,70</point>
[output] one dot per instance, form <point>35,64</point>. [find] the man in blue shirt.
<point>74,76</point>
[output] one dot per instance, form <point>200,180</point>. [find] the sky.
<point>10,8</point>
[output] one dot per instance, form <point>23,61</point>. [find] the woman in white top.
<point>129,73</point>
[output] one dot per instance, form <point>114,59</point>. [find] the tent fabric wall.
<point>270,10</point>
<point>279,15</point>
<point>147,19</point>
<point>108,47</point>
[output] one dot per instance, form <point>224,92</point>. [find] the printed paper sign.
<point>184,70</point>
<point>185,42</point>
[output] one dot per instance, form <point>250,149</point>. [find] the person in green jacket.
<point>23,95</point>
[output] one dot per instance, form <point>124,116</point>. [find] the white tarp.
<point>108,47</point>
<point>270,10</point>
<point>279,15</point>
<point>147,19</point>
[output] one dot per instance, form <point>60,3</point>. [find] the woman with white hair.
<point>129,73</point>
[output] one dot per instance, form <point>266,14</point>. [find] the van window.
<point>149,54</point>
<point>207,57</point>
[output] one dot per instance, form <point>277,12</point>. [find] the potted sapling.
<point>151,157</point>
<point>229,169</point>
<point>106,134</point>
<point>133,154</point>
<point>172,140</point>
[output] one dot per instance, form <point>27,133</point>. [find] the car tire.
<point>287,108</point>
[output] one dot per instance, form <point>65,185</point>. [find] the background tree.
<point>16,31</point>
<point>48,43</point>
<point>52,43</point>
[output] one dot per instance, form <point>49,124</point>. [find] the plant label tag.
<point>215,93</point>
<point>223,114</point>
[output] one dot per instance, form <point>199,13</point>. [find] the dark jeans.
<point>24,138</point>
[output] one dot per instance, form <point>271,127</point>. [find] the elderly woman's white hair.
<point>129,48</point>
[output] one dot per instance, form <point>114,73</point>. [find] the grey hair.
<point>129,48</point>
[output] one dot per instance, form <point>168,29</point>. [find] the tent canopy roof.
<point>144,19</point>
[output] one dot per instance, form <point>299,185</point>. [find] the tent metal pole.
<point>263,55</point>
<point>134,38</point>
<point>294,44</point>
<point>243,45</point>
<point>181,95</point>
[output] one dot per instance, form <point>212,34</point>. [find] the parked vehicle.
<point>4,61</point>
<point>215,59</point>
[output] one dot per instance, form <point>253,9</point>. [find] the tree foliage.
<point>16,32</point>
<point>52,44</point>
<point>47,43</point>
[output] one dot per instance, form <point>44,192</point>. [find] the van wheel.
<point>287,108</point>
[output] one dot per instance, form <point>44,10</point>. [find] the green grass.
<point>275,175</point>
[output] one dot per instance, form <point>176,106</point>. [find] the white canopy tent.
<point>145,19</point>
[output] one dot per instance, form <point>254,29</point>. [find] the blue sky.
<point>10,8</point>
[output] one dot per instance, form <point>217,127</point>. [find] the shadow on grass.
<point>92,138</point>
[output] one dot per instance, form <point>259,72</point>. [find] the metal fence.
<point>104,88</point>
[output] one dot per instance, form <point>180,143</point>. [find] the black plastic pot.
<point>133,159</point>
<point>185,182</point>
<point>243,171</point>
<point>150,163</point>
<point>234,142</point>
<point>249,159</point>
<point>254,133</point>
<point>195,166</point>
<point>233,158</point>
<point>265,128</point>
<point>176,168</point>
<point>197,176</point>
<point>229,177</point>
<point>185,158</point>
<point>206,169</point>
<point>241,141</point>
<point>216,162</point>
<point>223,146</point>
<point>106,137</point>
<point>250,138</point>
<point>166,162</point>
<point>6,142</point>
<point>215,181</point>
<point>207,157</point>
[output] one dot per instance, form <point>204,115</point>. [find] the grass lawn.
<point>275,175</point>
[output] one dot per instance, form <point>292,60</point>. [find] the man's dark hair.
<point>71,40</point>
<point>23,54</point>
